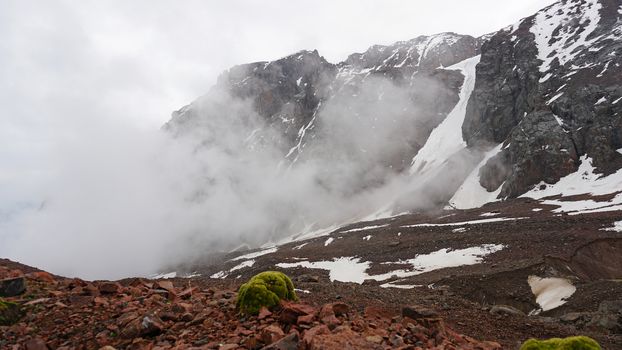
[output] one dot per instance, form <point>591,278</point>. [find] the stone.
<point>291,312</point>
<point>263,313</point>
<point>35,344</point>
<point>289,342</point>
<point>12,287</point>
<point>340,309</point>
<point>109,288</point>
<point>167,286</point>
<point>146,325</point>
<point>308,278</point>
<point>271,334</point>
<point>42,276</point>
<point>505,309</point>
<point>344,338</point>
<point>230,346</point>
<point>418,312</point>
<point>305,319</point>
<point>374,339</point>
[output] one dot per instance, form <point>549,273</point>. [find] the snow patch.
<point>255,254</point>
<point>554,98</point>
<point>584,181</point>
<point>446,139</point>
<point>473,222</point>
<point>329,241</point>
<point>365,228</point>
<point>557,38</point>
<point>352,269</point>
<point>164,275</point>
<point>617,227</point>
<point>471,194</point>
<point>298,247</point>
<point>367,238</point>
<point>225,273</point>
<point>550,292</point>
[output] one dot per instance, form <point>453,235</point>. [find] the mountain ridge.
<point>511,89</point>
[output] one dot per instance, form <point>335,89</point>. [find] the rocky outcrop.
<point>144,314</point>
<point>549,87</point>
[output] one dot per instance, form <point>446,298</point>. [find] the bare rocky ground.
<point>488,301</point>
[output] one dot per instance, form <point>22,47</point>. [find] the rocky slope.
<point>61,313</point>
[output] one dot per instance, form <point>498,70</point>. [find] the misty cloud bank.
<point>122,201</point>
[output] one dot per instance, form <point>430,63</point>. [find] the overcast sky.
<point>76,74</point>
<point>139,60</point>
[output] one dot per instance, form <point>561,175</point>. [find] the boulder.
<point>12,287</point>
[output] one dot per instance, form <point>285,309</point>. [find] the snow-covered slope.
<point>446,139</point>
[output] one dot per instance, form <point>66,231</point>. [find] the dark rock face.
<point>549,87</point>
<point>12,287</point>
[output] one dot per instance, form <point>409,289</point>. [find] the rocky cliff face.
<point>311,108</point>
<point>549,88</point>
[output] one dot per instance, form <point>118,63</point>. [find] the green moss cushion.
<point>265,290</point>
<point>570,343</point>
<point>10,313</point>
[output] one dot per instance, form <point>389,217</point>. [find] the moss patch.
<point>10,313</point>
<point>265,290</point>
<point>570,343</point>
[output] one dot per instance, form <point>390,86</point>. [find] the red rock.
<point>271,334</point>
<point>327,317</point>
<point>344,338</point>
<point>187,293</point>
<point>340,309</point>
<point>312,333</point>
<point>374,339</point>
<point>305,319</point>
<point>167,286</point>
<point>37,301</point>
<point>290,342</point>
<point>376,312</point>
<point>251,343</point>
<point>92,290</point>
<point>263,313</point>
<point>42,276</point>
<point>15,273</point>
<point>35,344</point>
<point>101,301</point>
<point>228,346</point>
<point>181,308</point>
<point>143,326</point>
<point>109,288</point>
<point>417,312</point>
<point>126,318</point>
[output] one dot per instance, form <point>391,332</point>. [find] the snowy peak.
<point>423,52</point>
